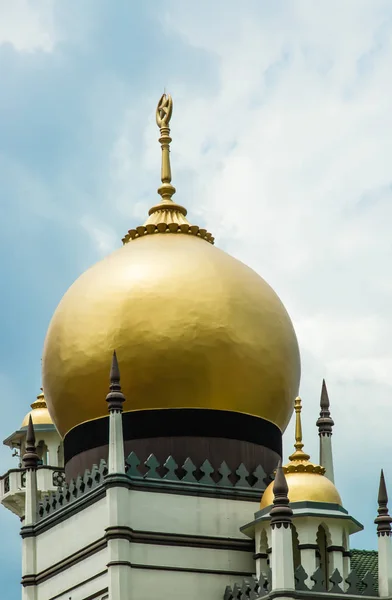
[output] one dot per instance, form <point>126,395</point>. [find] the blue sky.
<point>282,134</point>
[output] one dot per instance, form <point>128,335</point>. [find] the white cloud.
<point>28,25</point>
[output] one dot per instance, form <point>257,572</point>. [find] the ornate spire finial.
<point>115,397</point>
<point>299,454</point>
<point>163,115</point>
<point>324,422</point>
<point>40,402</point>
<point>384,520</point>
<point>166,216</point>
<point>281,512</point>
<point>30,457</point>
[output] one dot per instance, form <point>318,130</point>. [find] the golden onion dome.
<point>39,413</point>
<point>306,481</point>
<point>192,326</point>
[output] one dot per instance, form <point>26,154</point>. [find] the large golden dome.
<point>192,327</point>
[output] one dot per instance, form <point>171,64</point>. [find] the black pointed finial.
<point>324,422</point>
<point>384,520</point>
<point>115,397</point>
<point>281,512</point>
<point>30,457</point>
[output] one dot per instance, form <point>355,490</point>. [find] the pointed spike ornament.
<point>30,457</point>
<point>324,422</point>
<point>281,513</point>
<point>115,397</point>
<point>384,520</point>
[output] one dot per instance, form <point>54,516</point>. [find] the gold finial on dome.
<point>166,216</point>
<point>163,116</point>
<point>40,402</point>
<point>299,460</point>
<point>299,454</point>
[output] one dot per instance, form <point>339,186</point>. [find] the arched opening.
<point>322,544</point>
<point>296,550</point>
<point>42,451</point>
<point>60,456</point>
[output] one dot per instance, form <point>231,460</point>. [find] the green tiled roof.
<point>363,561</point>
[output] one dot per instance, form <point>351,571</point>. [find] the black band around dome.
<point>244,434</point>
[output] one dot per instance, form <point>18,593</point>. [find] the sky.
<point>282,146</point>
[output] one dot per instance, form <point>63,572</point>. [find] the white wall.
<point>71,535</point>
<point>154,512</point>
<point>68,584</point>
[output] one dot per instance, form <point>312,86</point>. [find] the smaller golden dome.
<point>306,481</point>
<point>305,487</point>
<point>39,413</point>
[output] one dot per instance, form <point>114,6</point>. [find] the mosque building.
<point>168,482</point>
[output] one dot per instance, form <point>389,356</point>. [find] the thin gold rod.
<point>163,116</point>
<point>299,454</point>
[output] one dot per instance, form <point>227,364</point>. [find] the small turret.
<point>325,424</point>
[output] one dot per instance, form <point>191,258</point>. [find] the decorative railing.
<point>252,588</point>
<point>355,585</point>
<point>204,475</point>
<point>152,472</point>
<point>58,478</point>
<point>67,493</point>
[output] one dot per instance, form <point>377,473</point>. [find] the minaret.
<point>282,563</point>
<point>117,494</point>
<point>383,522</point>
<point>30,462</point>
<point>325,424</point>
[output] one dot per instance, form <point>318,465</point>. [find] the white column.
<point>282,562</point>
<point>261,555</point>
<point>335,559</point>
<point>116,457</point>
<point>117,495</point>
<point>384,533</point>
<point>307,538</point>
<point>385,565</point>
<point>29,549</point>
<point>346,559</point>
<point>326,457</point>
<point>335,549</point>
<point>325,424</point>
<point>53,445</point>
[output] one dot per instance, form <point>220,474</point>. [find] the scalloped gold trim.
<point>143,230</point>
<point>303,467</point>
